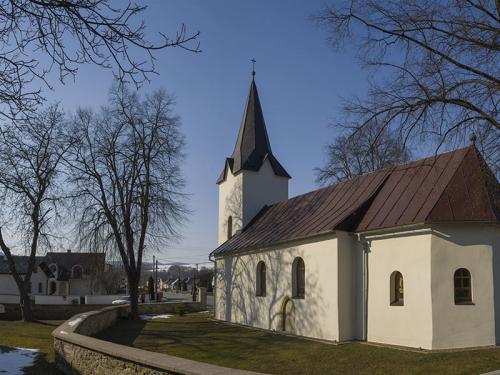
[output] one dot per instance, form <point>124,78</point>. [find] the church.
<point>406,256</point>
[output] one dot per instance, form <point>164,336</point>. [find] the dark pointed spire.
<point>252,145</point>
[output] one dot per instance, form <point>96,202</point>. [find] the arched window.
<point>261,279</point>
<point>463,287</point>
<point>229,227</point>
<point>298,278</point>
<point>53,269</point>
<point>397,289</point>
<point>77,272</point>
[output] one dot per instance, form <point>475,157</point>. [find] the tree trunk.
<point>134,296</point>
<point>25,301</point>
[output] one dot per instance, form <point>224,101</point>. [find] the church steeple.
<point>252,177</point>
<point>252,145</point>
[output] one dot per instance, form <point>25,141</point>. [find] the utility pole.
<point>194,282</point>
<point>156,281</point>
<point>196,276</point>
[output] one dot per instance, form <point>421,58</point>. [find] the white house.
<point>407,256</point>
<point>56,274</point>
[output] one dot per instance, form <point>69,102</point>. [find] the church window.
<point>397,289</point>
<point>53,269</point>
<point>261,279</point>
<point>463,287</point>
<point>298,278</point>
<point>229,227</point>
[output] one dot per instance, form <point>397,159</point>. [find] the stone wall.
<point>77,353</point>
<point>77,360</point>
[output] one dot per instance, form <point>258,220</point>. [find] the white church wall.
<point>230,204</point>
<point>243,195</point>
<point>411,324</point>
<point>262,188</point>
<point>350,291</point>
<point>315,316</point>
<point>469,246</point>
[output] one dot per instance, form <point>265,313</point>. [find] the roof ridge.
<point>468,149</point>
<point>389,168</point>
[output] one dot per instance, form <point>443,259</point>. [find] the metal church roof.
<point>456,186</point>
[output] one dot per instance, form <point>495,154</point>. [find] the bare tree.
<point>126,175</point>
<point>441,64</point>
<point>37,36</point>
<point>361,152</point>
<point>30,158</point>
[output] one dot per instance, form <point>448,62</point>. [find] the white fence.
<point>102,299</point>
<point>64,300</point>
<point>57,300</point>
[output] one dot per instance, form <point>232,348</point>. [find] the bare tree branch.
<point>442,60</point>
<point>38,36</point>
<point>126,176</point>
<point>30,158</point>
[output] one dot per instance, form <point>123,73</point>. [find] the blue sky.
<point>299,77</point>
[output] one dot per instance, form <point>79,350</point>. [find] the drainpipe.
<point>214,286</point>
<point>365,249</point>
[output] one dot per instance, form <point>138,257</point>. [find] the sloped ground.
<point>198,337</point>
<point>37,358</point>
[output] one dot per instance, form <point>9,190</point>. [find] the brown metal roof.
<point>317,212</point>
<point>454,186</point>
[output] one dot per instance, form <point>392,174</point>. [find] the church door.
<point>288,316</point>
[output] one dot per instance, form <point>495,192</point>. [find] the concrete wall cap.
<point>67,332</point>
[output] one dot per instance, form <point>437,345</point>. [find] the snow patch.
<point>13,361</point>
<point>151,316</point>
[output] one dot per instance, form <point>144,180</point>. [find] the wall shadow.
<point>241,305</point>
<point>124,332</point>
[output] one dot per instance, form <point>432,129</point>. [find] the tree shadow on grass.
<point>124,332</point>
<point>36,362</point>
<point>42,366</point>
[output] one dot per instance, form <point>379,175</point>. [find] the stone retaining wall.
<point>77,353</point>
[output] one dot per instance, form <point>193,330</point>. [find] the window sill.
<point>260,295</point>
<point>465,303</point>
<point>398,303</point>
<point>298,297</point>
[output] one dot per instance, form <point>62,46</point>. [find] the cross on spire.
<point>253,67</point>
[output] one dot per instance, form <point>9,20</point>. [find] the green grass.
<point>35,335</point>
<point>197,337</point>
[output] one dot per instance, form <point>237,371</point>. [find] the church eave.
<point>278,169</point>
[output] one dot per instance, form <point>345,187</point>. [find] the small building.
<point>407,255</point>
<point>56,274</point>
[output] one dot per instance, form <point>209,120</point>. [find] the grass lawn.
<point>197,337</point>
<point>33,336</point>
